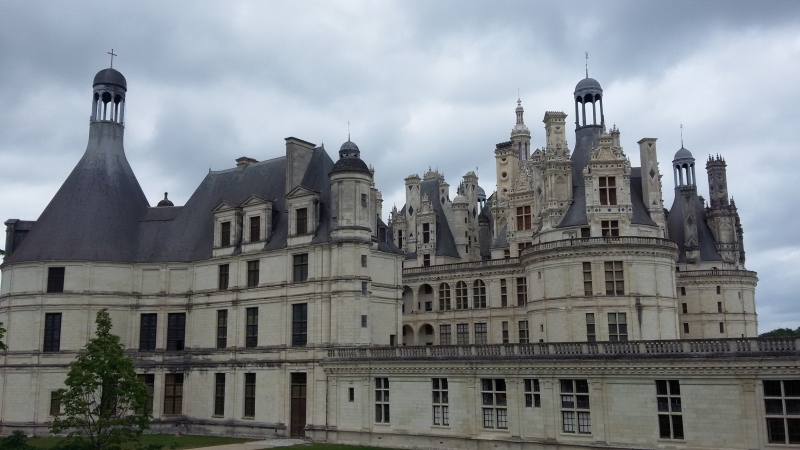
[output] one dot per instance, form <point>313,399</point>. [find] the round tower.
<point>520,134</point>
<point>351,182</point>
<point>588,91</point>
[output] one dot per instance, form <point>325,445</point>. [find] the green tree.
<point>2,335</point>
<point>781,332</point>
<point>103,400</point>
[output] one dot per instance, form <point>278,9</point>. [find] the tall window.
<point>363,199</point>
<point>249,395</point>
<point>225,234</point>
<point>608,190</point>
<point>524,218</point>
<point>176,331</point>
<point>399,238</point>
<point>590,330</point>
<point>479,294</point>
<point>255,229</point>
<point>381,400</point>
<point>523,332</point>
<point>224,276</point>
<point>481,334</point>
<point>505,332</point>
<point>617,327</point>
<point>503,293</point>
<point>222,328</point>
<point>173,393</point>
<point>462,333</point>
<point>426,233</point>
<point>147,332</point>
<point>444,297</point>
<point>302,221</point>
<point>685,308</point>
<point>587,279</point>
<point>445,338</point>
<point>251,328</point>
<point>55,279</point>
<point>575,407</point>
<point>52,332</point>
<point>300,267</point>
<point>462,296</point>
<point>363,260</point>
<point>670,421</point>
<point>615,283</point>
<point>493,398</point>
<point>55,403</point>
<point>522,291</point>
<point>219,394</point>
<point>532,396</point>
<point>686,328</point>
<point>441,410</point>
<point>782,406</point>
<point>252,273</point>
<point>299,325</point>
<point>609,228</point>
<point>149,380</point>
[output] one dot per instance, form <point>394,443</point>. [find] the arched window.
<point>479,294</point>
<point>462,299</point>
<point>444,297</point>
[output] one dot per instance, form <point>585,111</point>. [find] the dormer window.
<point>227,229</point>
<point>225,234</point>
<point>608,190</point>
<point>255,229</point>
<point>426,233</point>
<point>302,221</point>
<point>399,238</point>
<point>303,206</point>
<point>257,219</point>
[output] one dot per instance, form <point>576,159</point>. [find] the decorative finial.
<point>348,130</point>
<point>681,135</point>
<point>165,196</point>
<point>587,64</point>
<point>112,57</point>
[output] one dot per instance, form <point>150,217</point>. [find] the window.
<point>503,293</point>
<point>685,308</point>
<point>426,233</point>
<point>173,393</point>
<point>251,328</point>
<point>149,380</point>
<point>363,260</point>
<point>462,296</point>
<point>615,284</point>
<point>608,190</point>
<point>719,307</point>
<point>523,332</point>
<point>363,199</point>
<point>219,394</point>
<point>668,398</point>
<point>363,321</point>
<point>224,275</point>
<point>300,267</point>
<point>719,290</point>
<point>176,331</point>
<point>399,238</point>
<point>505,332</point>
<point>252,273</point>
<point>587,279</point>
<point>532,396</point>
<point>481,335</point>
<point>590,330</point>
<point>381,400</point>
<point>617,327</point>
<point>249,395</point>
<point>351,394</point>
<point>524,218</point>
<point>441,410</point>
<point>147,332</point>
<point>444,297</point>
<point>609,228</point>
<point>683,290</point>
<point>444,335</point>
<point>493,398</point>
<point>462,334</point>
<point>364,288</point>
<point>479,294</point>
<point>225,234</point>
<point>586,232</point>
<point>522,291</point>
<point>55,279</point>
<point>55,403</point>
<point>302,221</point>
<point>426,260</point>
<point>721,327</point>
<point>782,406</point>
<point>686,328</point>
<point>523,245</point>
<point>255,229</point>
<point>52,332</point>
<point>299,325</point>
<point>222,328</point>
<point>506,253</point>
<point>575,405</point>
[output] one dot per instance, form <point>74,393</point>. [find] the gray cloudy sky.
<point>422,83</point>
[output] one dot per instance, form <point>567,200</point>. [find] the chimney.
<point>243,162</point>
<point>298,156</point>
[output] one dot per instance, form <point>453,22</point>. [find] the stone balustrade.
<point>544,350</point>
<point>595,241</point>
<point>716,273</point>
<point>461,266</point>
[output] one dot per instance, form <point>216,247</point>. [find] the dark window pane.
<point>677,426</point>
<point>663,404</point>
<point>793,407</point>
<point>302,221</point>
<point>772,388</point>
<point>582,386</point>
<point>674,387</point>
<point>794,430</point>
<point>791,388</point>
<point>566,385</point>
<point>299,325</point>
<point>775,431</point>
<point>52,332</point>
<point>583,401</point>
<point>663,427</point>
<point>176,331</point>
<point>661,387</point>
<point>55,279</point>
<point>675,404</point>
<point>488,399</point>
<point>773,406</point>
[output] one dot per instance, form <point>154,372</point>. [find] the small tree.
<point>103,400</point>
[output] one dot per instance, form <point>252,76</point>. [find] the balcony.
<point>601,241</point>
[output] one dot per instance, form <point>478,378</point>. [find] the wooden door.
<point>298,407</point>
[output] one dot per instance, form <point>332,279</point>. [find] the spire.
<point>681,135</point>
<point>587,64</point>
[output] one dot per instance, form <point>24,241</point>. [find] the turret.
<point>589,94</point>
<point>521,135</point>
<point>717,182</point>
<point>351,184</point>
<point>686,196</point>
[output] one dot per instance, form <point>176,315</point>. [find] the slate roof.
<point>445,243</point>
<point>708,248</point>
<point>501,241</point>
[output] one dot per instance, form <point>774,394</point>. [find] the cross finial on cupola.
<point>112,57</point>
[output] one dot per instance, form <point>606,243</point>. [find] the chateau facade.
<point>567,309</point>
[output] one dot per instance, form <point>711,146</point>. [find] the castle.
<point>569,309</point>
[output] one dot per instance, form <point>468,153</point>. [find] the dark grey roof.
<point>110,76</point>
<point>165,202</point>
<point>350,165</point>
<point>675,227</point>
<point>587,85</point>
<point>501,241</point>
<point>349,146</point>
<point>683,154</point>
<point>445,244</point>
<point>640,214</point>
<point>585,139</point>
<point>388,246</point>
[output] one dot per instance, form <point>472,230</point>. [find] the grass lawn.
<point>183,441</point>
<point>332,447</point>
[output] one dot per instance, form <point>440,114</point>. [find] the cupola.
<point>588,92</point>
<point>350,159</point>
<point>108,99</point>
